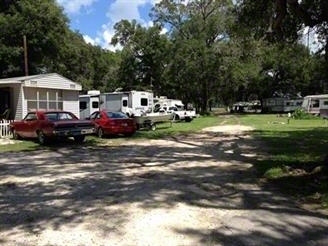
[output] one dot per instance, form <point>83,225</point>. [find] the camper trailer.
<point>316,104</point>
<point>89,103</point>
<point>132,103</point>
<point>281,104</point>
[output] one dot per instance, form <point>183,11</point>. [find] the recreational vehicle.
<point>89,103</point>
<point>316,104</point>
<point>281,104</point>
<point>132,103</point>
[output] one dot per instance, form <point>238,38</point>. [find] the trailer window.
<point>325,103</point>
<point>83,105</point>
<point>125,103</point>
<point>144,102</point>
<point>315,103</point>
<point>95,105</point>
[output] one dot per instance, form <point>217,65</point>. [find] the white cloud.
<point>119,10</point>
<point>74,6</point>
<point>89,40</point>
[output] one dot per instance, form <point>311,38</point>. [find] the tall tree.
<point>43,24</point>
<point>144,55</point>
<point>195,30</point>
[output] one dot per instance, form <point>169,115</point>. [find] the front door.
<point>4,100</point>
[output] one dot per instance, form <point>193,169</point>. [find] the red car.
<point>45,125</point>
<point>113,123</point>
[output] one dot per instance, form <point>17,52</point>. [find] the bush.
<point>301,114</point>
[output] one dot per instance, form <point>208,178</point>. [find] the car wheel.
<point>176,117</point>
<point>79,139</point>
<point>128,134</point>
<point>100,132</point>
<point>15,135</point>
<point>188,119</point>
<point>42,138</point>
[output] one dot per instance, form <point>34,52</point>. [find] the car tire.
<point>188,119</point>
<point>79,139</point>
<point>15,135</point>
<point>100,132</point>
<point>42,139</point>
<point>128,134</point>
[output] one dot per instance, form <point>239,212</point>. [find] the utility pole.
<point>25,55</point>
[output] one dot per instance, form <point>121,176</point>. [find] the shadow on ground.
<point>74,184</point>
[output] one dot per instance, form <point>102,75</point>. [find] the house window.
<point>315,103</point>
<point>43,99</point>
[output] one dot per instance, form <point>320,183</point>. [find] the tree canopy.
<point>206,52</point>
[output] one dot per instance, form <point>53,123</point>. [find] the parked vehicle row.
<point>49,125</point>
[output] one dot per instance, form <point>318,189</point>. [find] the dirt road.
<point>188,190</point>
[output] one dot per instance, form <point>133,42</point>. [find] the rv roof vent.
<point>94,92</point>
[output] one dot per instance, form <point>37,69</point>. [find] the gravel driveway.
<point>187,190</point>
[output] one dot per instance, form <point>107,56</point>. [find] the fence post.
<point>4,129</point>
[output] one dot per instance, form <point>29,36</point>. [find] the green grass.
<point>20,146</point>
<point>180,127</point>
<point>294,149</point>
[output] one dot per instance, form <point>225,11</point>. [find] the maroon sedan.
<point>113,123</point>
<point>45,125</point>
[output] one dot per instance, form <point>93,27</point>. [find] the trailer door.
<point>124,103</point>
<point>84,107</point>
<point>94,104</point>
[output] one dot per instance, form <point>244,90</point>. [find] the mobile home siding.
<point>53,81</point>
<point>42,92</point>
<point>18,98</point>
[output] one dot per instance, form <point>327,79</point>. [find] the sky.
<point>95,19</point>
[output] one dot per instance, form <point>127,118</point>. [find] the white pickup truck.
<point>175,107</point>
<point>182,114</point>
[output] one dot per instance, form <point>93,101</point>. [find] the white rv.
<point>281,104</point>
<point>132,103</point>
<point>89,103</point>
<point>316,104</point>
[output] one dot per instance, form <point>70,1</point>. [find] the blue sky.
<point>95,19</point>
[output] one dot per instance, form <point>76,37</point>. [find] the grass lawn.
<point>296,150</point>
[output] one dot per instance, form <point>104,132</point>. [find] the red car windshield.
<point>116,115</point>
<point>54,116</point>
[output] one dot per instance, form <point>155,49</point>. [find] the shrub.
<point>301,114</point>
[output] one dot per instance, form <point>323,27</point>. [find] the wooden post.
<point>25,55</point>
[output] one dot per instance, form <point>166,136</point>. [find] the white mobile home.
<point>316,104</point>
<point>281,104</point>
<point>133,103</point>
<point>38,92</point>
